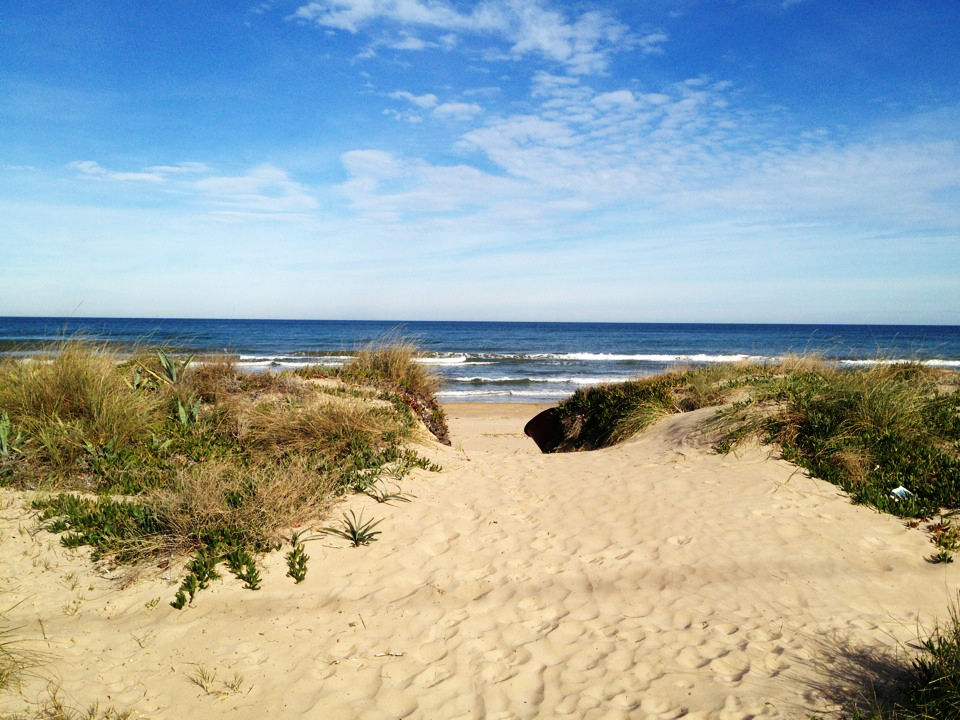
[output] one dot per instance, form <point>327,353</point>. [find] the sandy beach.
<point>654,579</point>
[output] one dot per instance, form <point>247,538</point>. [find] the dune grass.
<point>161,453</point>
<point>869,430</point>
<point>391,364</point>
<point>924,687</point>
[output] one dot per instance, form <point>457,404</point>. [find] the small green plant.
<point>242,564</point>
<point>188,414</point>
<point>355,529</point>
<point>126,530</point>
<point>381,495</point>
<point>201,570</point>
<point>188,587</point>
<point>171,367</point>
<point>942,556</point>
<point>7,445</point>
<point>297,559</point>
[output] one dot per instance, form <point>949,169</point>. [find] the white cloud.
<point>674,151</point>
<point>264,189</point>
<point>617,98</point>
<point>179,168</point>
<point>89,168</point>
<point>410,42</point>
<point>457,110</point>
<point>652,43</point>
<point>427,100</point>
<point>582,44</point>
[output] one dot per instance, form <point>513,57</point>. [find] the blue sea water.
<point>499,361</point>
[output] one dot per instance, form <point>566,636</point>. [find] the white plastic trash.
<point>900,493</point>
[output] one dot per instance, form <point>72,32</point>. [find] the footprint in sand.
<point>433,675</point>
<point>732,666</point>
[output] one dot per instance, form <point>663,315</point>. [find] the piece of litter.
<point>900,493</point>
<point>389,654</point>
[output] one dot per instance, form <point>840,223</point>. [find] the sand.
<point>655,579</point>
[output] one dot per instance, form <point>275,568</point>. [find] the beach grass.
<point>869,430</point>
<point>392,363</point>
<point>160,453</point>
<point>923,685</point>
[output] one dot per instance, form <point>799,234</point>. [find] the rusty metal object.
<point>546,430</point>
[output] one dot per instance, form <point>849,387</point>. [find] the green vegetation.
<point>297,559</point>
<point>927,689</point>
<point>355,530</point>
<point>15,659</point>
<point>161,454</point>
<point>391,365</point>
<point>869,431</point>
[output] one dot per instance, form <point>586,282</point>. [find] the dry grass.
<point>219,502</point>
<point>391,362</point>
<point>75,398</point>
<point>327,426</point>
<point>205,458</point>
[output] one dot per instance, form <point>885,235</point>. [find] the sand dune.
<point>651,580</point>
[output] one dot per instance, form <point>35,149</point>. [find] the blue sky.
<point>665,160</point>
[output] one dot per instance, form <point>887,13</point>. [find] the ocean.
<point>501,361</point>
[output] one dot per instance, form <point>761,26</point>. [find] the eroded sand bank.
<point>651,580</point>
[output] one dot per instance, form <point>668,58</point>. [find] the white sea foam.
<point>566,380</point>
<point>901,361</point>
<point>501,392</point>
<point>438,360</point>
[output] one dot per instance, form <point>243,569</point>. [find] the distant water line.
<point>501,362</point>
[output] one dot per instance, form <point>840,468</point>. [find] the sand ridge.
<point>655,579</point>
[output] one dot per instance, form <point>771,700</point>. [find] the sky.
<point>629,161</point>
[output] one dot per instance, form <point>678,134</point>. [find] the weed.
<point>203,678</point>
<point>355,529</point>
<point>55,709</point>
<point>381,495</point>
<point>172,367</point>
<point>942,556</point>
<point>189,413</point>
<point>297,560</point>
<point>15,660</point>
<point>8,446</point>
<point>235,684</point>
<point>242,564</point>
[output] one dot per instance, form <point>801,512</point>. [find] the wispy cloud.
<point>457,110</point>
<point>263,190</point>
<point>151,174</point>
<point>427,100</point>
<point>686,148</point>
<point>583,43</point>
<point>92,169</point>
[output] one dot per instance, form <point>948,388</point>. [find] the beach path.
<point>655,579</point>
